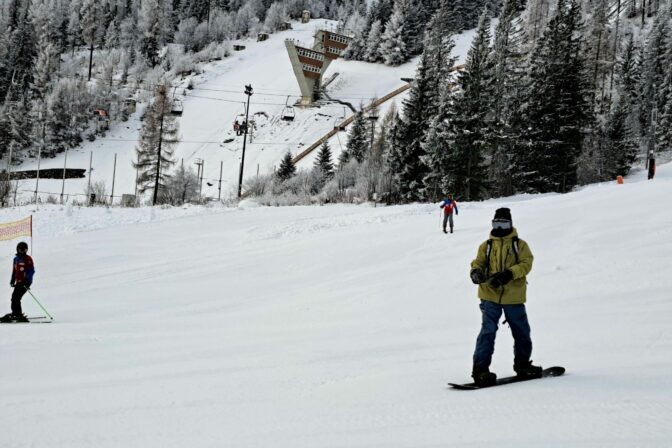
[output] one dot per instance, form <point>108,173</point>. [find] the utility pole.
<point>373,117</point>
<point>199,176</point>
<point>248,92</point>
<point>39,158</point>
<point>221,168</point>
<point>162,93</point>
<point>114,175</point>
<point>88,186</point>
<point>65,164</point>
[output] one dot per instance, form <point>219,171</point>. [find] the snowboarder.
<point>500,269</point>
<point>448,205</point>
<point>22,278</point>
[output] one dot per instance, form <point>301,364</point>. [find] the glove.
<point>26,285</point>
<point>501,279</point>
<point>477,276</point>
<point>12,283</point>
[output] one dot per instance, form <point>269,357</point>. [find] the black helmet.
<point>22,246</point>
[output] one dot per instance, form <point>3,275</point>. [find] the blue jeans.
<point>516,317</point>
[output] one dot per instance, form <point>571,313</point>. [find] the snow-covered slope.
<point>339,326</point>
<point>206,126</point>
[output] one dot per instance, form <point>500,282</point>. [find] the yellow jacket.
<point>503,257</point>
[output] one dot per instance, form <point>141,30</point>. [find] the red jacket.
<point>448,205</point>
<point>23,270</point>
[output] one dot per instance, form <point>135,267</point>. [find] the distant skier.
<point>236,127</point>
<point>500,269</point>
<point>448,205</point>
<point>22,278</point>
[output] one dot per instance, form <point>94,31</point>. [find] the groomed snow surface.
<point>338,326</point>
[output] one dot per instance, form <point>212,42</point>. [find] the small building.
<point>238,47</point>
<point>305,16</point>
<point>284,26</point>
<point>128,200</point>
<point>262,37</point>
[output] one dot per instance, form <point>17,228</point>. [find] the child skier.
<point>500,271</point>
<point>448,205</point>
<point>22,278</point>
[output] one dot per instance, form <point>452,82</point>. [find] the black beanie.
<point>503,213</point>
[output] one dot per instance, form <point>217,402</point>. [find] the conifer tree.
<point>546,159</point>
<point>358,143</point>
<point>413,31</point>
<point>392,45</point>
<point>91,16</point>
<point>156,147</point>
<point>149,26</point>
<point>509,73</point>
<point>664,124</point>
<point>287,169</point>
<point>323,163</point>
<point>372,49</point>
<point>437,147</point>
<point>621,142</point>
<point>472,123</point>
<point>409,136</point>
<point>655,66</point>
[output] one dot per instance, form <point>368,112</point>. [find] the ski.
<point>31,320</point>
<point>546,373</point>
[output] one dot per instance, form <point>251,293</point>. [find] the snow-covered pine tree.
<point>372,50</point>
<point>323,163</point>
<point>621,145</point>
<point>664,124</point>
<point>472,122</point>
<point>20,127</point>
<point>21,54</point>
<point>275,17</point>
<point>413,31</point>
<point>155,149</point>
<point>112,37</point>
<point>509,59</point>
<point>409,135</point>
<point>654,68</point>
<point>599,43</point>
<point>437,147</point>
<point>358,27</point>
<point>392,45</point>
<point>90,22</point>
<point>358,142</point>
<point>149,26</point>
<point>287,169</point>
<point>470,12</point>
<point>380,10</point>
<point>537,15</point>
<point>438,47</point>
<point>546,159</point>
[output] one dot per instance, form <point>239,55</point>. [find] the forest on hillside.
<point>559,93</point>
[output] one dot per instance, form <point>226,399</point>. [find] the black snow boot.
<point>527,370</point>
<point>484,377</point>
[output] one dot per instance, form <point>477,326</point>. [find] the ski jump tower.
<point>309,64</point>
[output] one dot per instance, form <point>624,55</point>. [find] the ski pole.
<point>38,302</point>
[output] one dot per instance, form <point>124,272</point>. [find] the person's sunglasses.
<point>501,224</point>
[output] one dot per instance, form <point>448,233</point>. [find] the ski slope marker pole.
<point>38,302</point>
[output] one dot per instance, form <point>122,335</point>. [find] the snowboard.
<point>551,371</point>
<point>31,320</point>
